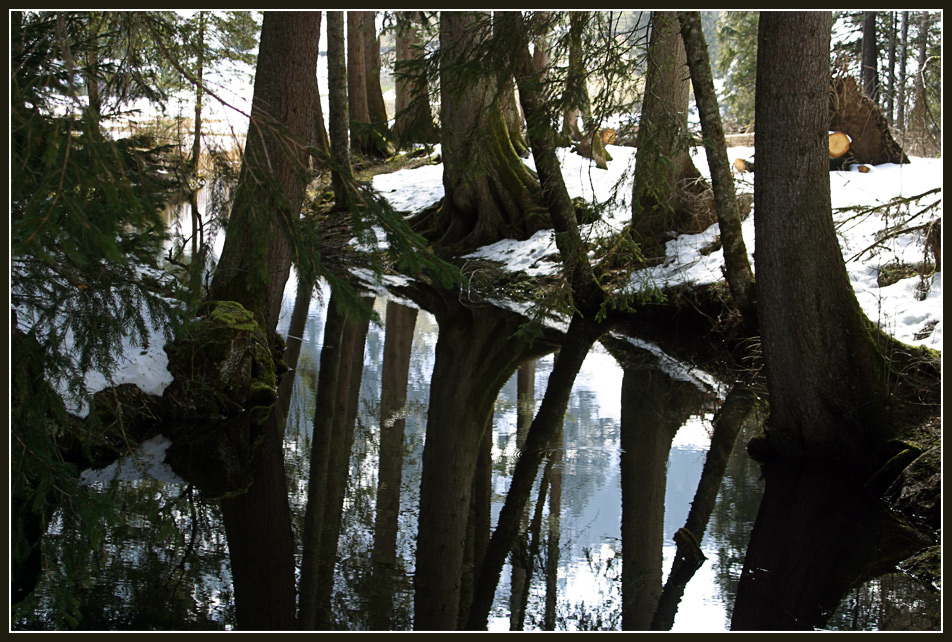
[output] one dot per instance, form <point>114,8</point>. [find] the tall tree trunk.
<point>823,368</point>
<point>376,106</point>
<point>736,266</point>
<point>338,105</point>
<point>393,396</point>
<point>256,258</point>
<point>869,76</point>
<point>490,193</point>
<point>525,410</point>
<point>197,142</point>
<point>321,140</point>
<point>413,118</point>
<point>903,55</point>
<point>891,69</point>
<point>357,83</point>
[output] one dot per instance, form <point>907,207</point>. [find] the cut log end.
<point>839,144</point>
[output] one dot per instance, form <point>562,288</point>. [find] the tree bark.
<point>869,76</point>
<point>413,118</point>
<point>736,266</point>
<point>357,83</point>
<point>823,369</point>
<point>321,140</point>
<point>664,172</point>
<point>903,55</point>
<point>256,258</point>
<point>376,106</point>
<point>340,112</point>
<point>490,193</point>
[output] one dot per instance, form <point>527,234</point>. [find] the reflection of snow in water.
<point>148,460</point>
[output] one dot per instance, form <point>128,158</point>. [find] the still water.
<point>167,565</point>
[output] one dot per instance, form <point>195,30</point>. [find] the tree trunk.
<point>577,100</point>
<point>340,114</point>
<point>376,106</point>
<point>855,114</point>
<point>869,76</point>
<point>903,55</point>
<point>393,396</point>
<point>664,172</point>
<point>736,266</point>
<point>552,543</point>
<point>891,69</point>
<point>197,142</point>
<point>490,193</point>
<point>321,139</point>
<point>256,258</point>
<point>823,369</point>
<point>357,83</point>
<point>413,118</point>
<point>479,523</point>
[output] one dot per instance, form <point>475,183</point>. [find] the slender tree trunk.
<point>736,266</point>
<point>357,82</point>
<point>292,352</point>
<point>340,114</point>
<point>891,69</point>
<point>823,368</point>
<point>903,55</point>
<point>525,410</point>
<point>197,141</point>
<point>393,396</point>
<point>869,78</point>
<point>256,258</point>
<point>321,139</point>
<point>552,543</point>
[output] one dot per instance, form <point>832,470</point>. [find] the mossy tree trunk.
<point>664,171</point>
<point>824,370</point>
<point>256,258</point>
<point>490,193</point>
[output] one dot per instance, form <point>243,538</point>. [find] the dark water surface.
<point>168,565</point>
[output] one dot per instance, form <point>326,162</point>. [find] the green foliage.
<point>85,226</point>
<point>737,64</point>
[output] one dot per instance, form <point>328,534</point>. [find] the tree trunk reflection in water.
<point>653,407</point>
<point>335,414</point>
<point>818,532</point>
<point>525,400</point>
<point>401,321</point>
<point>480,522</point>
<point>731,417</point>
<point>545,429</point>
<point>344,413</point>
<point>552,544</point>
<point>260,538</point>
<point>476,353</point>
